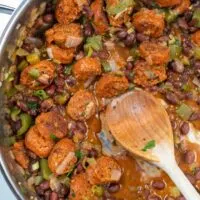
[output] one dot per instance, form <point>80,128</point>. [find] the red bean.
<point>54,196</point>
<point>39,191</point>
<point>191,178</point>
<point>44,185</point>
<point>88,30</point>
<point>64,191</point>
<point>158,184</point>
<point>130,40</point>
<point>122,34</point>
<point>141,37</point>
<point>189,157</point>
<point>184,128</point>
<point>153,197</point>
<point>172,98</point>
<point>47,195</point>
<point>48,18</point>
<point>113,187</point>
<point>51,90</point>
<point>92,153</point>
<point>195,116</point>
<point>79,168</point>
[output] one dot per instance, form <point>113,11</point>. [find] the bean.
<point>153,197</point>
<point>188,15</point>
<point>191,179</point>
<point>113,187</point>
<point>80,126</point>
<point>195,116</point>
<point>44,185</point>
<point>189,157</point>
<point>129,66</point>
<point>122,34</point>
<point>71,81</point>
<point>103,54</point>
<point>32,112</point>
<point>92,153</point>
<point>172,98</point>
<point>87,11</point>
<point>47,195</point>
<point>184,128</point>
<point>39,191</point>
<point>48,18</point>
<point>54,196</point>
<point>182,24</point>
<point>51,90</point>
<point>130,40</point>
<point>197,174</point>
<point>79,168</point>
<point>46,105</point>
<point>28,47</point>
<point>31,155</point>
<point>158,184</point>
<point>88,30</point>
<point>64,191</point>
<point>39,22</point>
<point>22,105</point>
<point>141,37</point>
<point>32,99</point>
<point>181,198</point>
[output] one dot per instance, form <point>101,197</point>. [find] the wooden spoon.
<point>140,124</point>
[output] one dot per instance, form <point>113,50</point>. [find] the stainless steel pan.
<point>21,20</point>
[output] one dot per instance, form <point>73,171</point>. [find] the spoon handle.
<point>181,181</point>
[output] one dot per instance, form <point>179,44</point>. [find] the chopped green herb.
<point>70,173</point>
<point>41,94</point>
<point>68,70</point>
<point>120,7</point>
<point>34,73</point>
<point>150,145</point>
<point>106,66</point>
<point>53,137</point>
<point>93,43</point>
<point>79,154</point>
<point>175,48</point>
<point>32,105</point>
<point>184,111</point>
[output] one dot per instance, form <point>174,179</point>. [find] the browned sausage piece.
<point>82,105</point>
<point>65,36</point>
<point>20,154</point>
<point>80,188</point>
<point>69,10</point>
<point>168,3</point>
<point>154,53</point>
<point>118,13</point>
<point>196,38</point>
<point>149,22</point>
<point>86,68</point>
<point>147,75</point>
<point>52,123</point>
<point>62,157</point>
<point>44,69</point>
<point>63,56</point>
<point>100,22</point>
<point>105,170</point>
<point>110,85</point>
<point>38,142</point>
<point>183,6</point>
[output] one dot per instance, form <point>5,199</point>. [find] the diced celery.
<point>26,121</point>
<point>41,94</point>
<point>34,73</point>
<point>35,166</point>
<point>175,51</point>
<point>95,43</point>
<point>14,113</point>
<point>38,180</point>
<point>170,16</point>
<point>46,172</point>
<point>106,66</point>
<point>33,58</point>
<point>197,53</point>
<point>196,17</point>
<point>22,65</point>
<point>97,190</point>
<point>184,111</point>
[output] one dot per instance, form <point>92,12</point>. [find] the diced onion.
<point>72,41</point>
<point>61,168</point>
<point>54,184</point>
<point>116,174</point>
<point>50,53</point>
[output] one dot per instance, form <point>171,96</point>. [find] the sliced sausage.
<point>149,22</point>
<point>20,154</point>
<point>39,143</point>
<point>52,123</point>
<point>86,68</point>
<point>110,85</point>
<point>82,105</point>
<point>65,36</point>
<point>46,72</point>
<point>69,10</point>
<point>154,53</point>
<point>100,21</point>
<point>62,157</point>
<point>147,75</point>
<point>105,170</point>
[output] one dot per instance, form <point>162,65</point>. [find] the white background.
<point>5,192</point>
